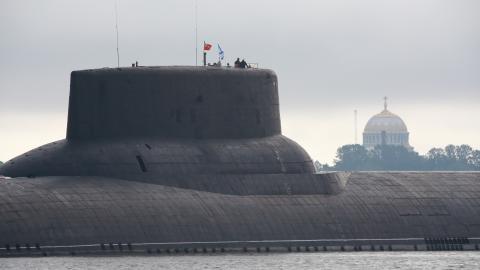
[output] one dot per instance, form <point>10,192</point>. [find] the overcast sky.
<point>331,57</point>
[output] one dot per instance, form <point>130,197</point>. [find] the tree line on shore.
<point>355,157</point>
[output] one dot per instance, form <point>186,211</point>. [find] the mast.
<point>355,124</point>
<point>196,32</point>
<point>116,29</point>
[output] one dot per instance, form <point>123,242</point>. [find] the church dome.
<point>385,128</point>
<point>385,121</point>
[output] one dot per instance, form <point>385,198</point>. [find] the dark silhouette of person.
<point>237,63</point>
<point>243,64</point>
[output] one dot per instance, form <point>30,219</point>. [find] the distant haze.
<point>331,57</point>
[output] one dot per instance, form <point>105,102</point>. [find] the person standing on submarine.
<point>237,62</point>
<point>243,64</point>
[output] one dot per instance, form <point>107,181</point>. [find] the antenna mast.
<point>355,124</point>
<point>196,33</point>
<point>116,28</point>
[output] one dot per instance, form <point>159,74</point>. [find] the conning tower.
<point>173,102</point>
<point>142,123</point>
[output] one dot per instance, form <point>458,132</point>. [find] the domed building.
<point>385,128</point>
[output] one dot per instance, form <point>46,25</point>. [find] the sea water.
<point>330,260</point>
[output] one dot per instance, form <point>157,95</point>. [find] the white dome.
<point>385,121</point>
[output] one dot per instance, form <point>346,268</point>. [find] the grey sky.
<point>331,57</point>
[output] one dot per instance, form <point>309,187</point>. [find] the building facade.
<point>385,128</point>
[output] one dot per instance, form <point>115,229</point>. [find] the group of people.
<point>238,64</point>
<point>241,64</point>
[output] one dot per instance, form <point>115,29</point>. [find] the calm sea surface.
<point>363,260</point>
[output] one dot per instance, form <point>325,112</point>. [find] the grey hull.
<point>170,159</point>
<point>79,214</point>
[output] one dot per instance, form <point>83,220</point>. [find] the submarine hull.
<point>192,159</point>
<point>388,210</point>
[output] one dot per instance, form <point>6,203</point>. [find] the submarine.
<point>178,159</point>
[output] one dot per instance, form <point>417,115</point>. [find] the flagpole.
<point>204,55</point>
<point>196,32</point>
<point>116,30</point>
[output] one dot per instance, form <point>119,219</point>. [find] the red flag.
<point>206,46</point>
